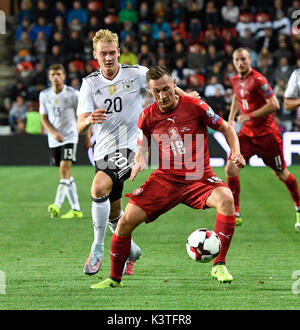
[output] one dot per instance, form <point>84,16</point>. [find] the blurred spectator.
<point>60,10</point>
<point>41,25</point>
<point>194,17</point>
<point>211,14</point>
<point>60,26</point>
<point>40,45</point>
<point>245,22</point>
<point>32,122</point>
<point>75,25</point>
<point>283,70</point>
<point>18,89</point>
<point>196,58</point>
<point>282,51</point>
<point>282,24</point>
<point>127,56</point>
<point>211,57</point>
<point>212,86</point>
<point>77,12</point>
<point>75,83</point>
<point>247,41</point>
<point>24,27</point>
<point>217,103</point>
<point>17,111</point>
<point>74,43</point>
<point>216,71</point>
<point>56,56</point>
<point>177,12</point>
<point>161,26</point>
<point>94,24</point>
<point>230,13</point>
<point>179,52</point>
<point>265,67</point>
<point>38,80</point>
<point>41,10</point>
<point>145,56</point>
<point>123,4</point>
<point>262,23</point>
<point>24,12</point>
<point>87,53</point>
<point>181,73</point>
<point>267,41</point>
<point>127,30</point>
<point>128,14</point>
<point>229,72</point>
<point>23,49</point>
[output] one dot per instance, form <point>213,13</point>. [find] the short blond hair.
<point>105,36</point>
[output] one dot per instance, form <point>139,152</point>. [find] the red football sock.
<point>292,185</point>
<point>224,227</point>
<point>234,185</point>
<point>119,252</point>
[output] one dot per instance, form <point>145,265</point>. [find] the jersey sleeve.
<point>208,116</point>
<point>144,134</point>
<point>264,87</point>
<point>292,89</point>
<point>143,81</point>
<point>85,99</point>
<point>42,104</point>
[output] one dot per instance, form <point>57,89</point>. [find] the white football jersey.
<point>293,86</point>
<point>61,111</point>
<point>122,98</point>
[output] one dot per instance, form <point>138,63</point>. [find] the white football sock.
<point>100,215</point>
<point>72,195</point>
<point>61,192</point>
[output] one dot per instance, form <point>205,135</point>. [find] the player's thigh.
<point>270,149</point>
<point>102,184</point>
<point>156,196</point>
<point>132,217</point>
<point>221,199</point>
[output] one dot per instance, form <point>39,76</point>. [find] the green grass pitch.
<point>42,258</point>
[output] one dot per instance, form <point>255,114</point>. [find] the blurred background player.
<point>58,105</point>
<point>255,99</point>
<point>292,92</point>
<point>167,120</point>
<point>111,100</point>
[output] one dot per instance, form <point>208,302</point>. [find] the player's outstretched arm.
<point>234,108</point>
<point>141,162</point>
<point>291,103</point>
<point>47,125</point>
<point>233,142</point>
<point>85,120</point>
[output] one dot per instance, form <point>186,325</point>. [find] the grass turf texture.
<point>43,258</point>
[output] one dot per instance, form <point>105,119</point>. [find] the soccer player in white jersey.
<point>111,100</point>
<point>58,105</point>
<point>292,92</point>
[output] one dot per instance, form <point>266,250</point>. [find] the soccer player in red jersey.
<point>179,126</point>
<point>255,99</point>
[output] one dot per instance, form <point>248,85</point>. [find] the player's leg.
<point>221,198</point>
<point>291,183</point>
<point>116,213</point>
<point>101,187</point>
<point>61,190</point>
<point>121,244</point>
<point>233,182</point>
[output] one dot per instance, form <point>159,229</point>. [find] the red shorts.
<point>268,147</point>
<point>159,194</point>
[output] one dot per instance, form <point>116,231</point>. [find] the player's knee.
<point>99,190</point>
<point>281,175</point>
<point>226,204</point>
<point>125,226</point>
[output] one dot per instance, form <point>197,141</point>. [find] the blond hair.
<point>57,66</point>
<point>105,36</point>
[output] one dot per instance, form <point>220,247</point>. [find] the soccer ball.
<point>203,245</point>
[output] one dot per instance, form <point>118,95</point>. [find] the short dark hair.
<point>157,71</point>
<point>57,66</point>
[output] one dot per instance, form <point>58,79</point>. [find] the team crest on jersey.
<point>137,191</point>
<point>128,85</point>
<point>210,112</point>
<point>56,101</point>
<point>173,132</point>
<point>112,89</point>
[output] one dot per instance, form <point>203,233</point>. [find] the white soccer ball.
<point>203,245</point>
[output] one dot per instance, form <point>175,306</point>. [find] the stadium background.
<point>194,38</point>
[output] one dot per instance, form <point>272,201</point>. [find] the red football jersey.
<point>181,136</point>
<point>251,93</point>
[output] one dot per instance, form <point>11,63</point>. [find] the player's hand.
<point>194,94</point>
<point>98,116</point>
<point>242,118</point>
<point>137,167</point>
<point>238,160</point>
<point>58,137</point>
